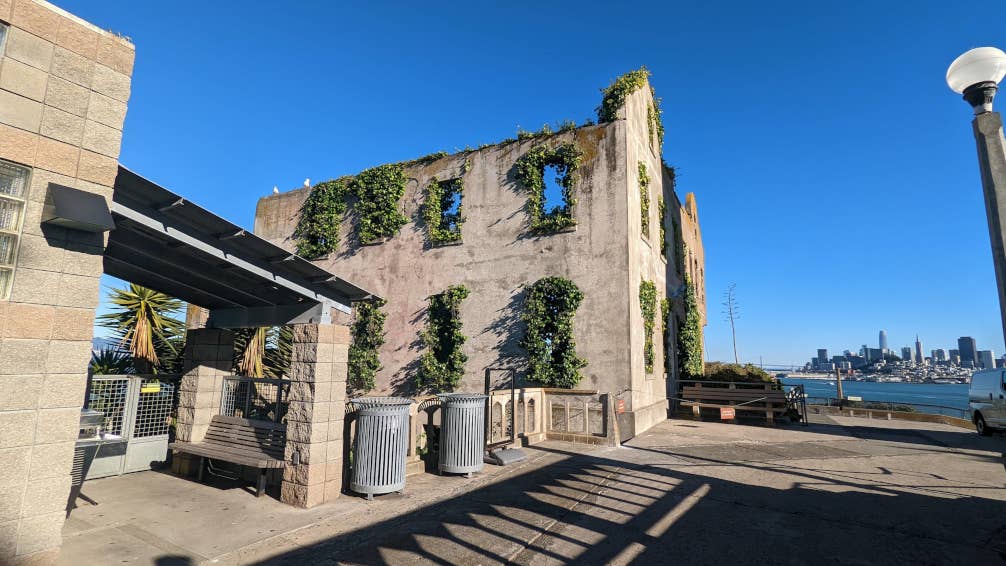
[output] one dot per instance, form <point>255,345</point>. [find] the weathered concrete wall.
<point>64,85</point>
<point>606,256</point>
<point>497,257</point>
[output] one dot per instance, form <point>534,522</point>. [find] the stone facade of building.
<point>606,255</point>
<point>64,86</point>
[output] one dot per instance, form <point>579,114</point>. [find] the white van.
<point>987,400</point>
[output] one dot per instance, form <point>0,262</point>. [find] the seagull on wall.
<point>307,183</point>
<point>275,190</point>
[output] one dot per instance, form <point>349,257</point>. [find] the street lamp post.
<point>976,75</point>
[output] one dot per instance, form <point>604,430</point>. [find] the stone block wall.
<point>316,413</point>
<point>64,86</point>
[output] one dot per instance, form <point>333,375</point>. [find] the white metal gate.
<point>138,408</point>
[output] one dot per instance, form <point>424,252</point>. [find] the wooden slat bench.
<point>255,444</point>
<point>753,399</point>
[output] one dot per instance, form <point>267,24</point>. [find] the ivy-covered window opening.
<point>379,191</point>
<point>549,307</point>
<point>368,337</point>
<point>442,210</point>
<point>563,159</point>
<point>443,363</point>
<point>665,319</point>
<point>317,231</point>
<point>648,307</point>
<point>644,199</point>
<point>690,336</point>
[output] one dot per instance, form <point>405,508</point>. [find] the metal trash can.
<point>462,432</point>
<point>381,445</point>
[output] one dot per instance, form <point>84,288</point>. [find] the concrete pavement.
<point>841,491</point>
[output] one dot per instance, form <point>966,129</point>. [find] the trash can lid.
<point>381,401</point>
<point>462,396</point>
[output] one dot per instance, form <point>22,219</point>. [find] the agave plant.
<point>143,322</point>
<point>110,361</point>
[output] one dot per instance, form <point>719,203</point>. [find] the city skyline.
<point>967,354</point>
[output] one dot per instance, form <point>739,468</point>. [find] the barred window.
<point>13,193</point>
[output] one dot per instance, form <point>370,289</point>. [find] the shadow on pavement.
<point>645,506</point>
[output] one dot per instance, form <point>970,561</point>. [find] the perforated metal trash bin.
<point>462,432</point>
<point>380,445</point>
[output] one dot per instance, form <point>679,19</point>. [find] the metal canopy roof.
<point>168,243</point>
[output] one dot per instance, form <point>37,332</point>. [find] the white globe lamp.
<point>976,74</point>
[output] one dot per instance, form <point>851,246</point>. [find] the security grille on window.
<point>13,192</point>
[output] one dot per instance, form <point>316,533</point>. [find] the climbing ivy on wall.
<point>690,335</point>
<point>317,231</point>
<point>442,226</point>
<point>548,313</point>
<point>648,306</point>
<point>613,100</point>
<point>662,210</point>
<point>614,96</point>
<point>442,365</point>
<point>644,199</point>
<point>566,158</point>
<point>368,337</point>
<point>665,318</point>
<point>655,122</point>
<point>379,189</point>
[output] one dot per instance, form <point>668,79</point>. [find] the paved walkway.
<point>841,491</point>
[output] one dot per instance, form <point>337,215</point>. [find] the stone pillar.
<point>208,358</point>
<point>317,408</point>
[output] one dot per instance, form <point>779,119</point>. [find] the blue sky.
<point>835,171</point>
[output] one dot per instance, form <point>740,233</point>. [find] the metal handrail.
<point>861,404</point>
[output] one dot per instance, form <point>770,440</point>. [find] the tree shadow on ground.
<point>646,506</point>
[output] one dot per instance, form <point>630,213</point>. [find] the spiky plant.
<point>142,321</point>
<point>110,361</point>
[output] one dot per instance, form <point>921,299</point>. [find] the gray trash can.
<point>462,432</point>
<point>380,445</point>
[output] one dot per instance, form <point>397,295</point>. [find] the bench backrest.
<point>698,393</point>
<point>245,434</point>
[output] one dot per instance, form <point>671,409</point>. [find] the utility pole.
<point>731,310</point>
<point>838,382</point>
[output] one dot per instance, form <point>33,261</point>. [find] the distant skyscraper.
<point>883,340</point>
<point>969,350</point>
<point>822,356</point>
<point>986,359</point>
<point>906,354</point>
<point>939,355</point>
<point>919,357</point>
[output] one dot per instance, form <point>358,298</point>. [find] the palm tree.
<point>263,352</point>
<point>143,322</point>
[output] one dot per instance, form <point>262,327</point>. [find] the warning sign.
<point>151,387</point>
<point>727,413</point>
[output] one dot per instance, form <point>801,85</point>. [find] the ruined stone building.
<point>606,238</point>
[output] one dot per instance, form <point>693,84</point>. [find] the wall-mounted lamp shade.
<point>76,209</point>
<point>983,64</point>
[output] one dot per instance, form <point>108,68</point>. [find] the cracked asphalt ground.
<point>840,491</point>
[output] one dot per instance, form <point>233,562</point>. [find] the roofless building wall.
<point>611,244</point>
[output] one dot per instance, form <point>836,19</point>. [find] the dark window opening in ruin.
<point>450,206</point>
<point>554,200</point>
